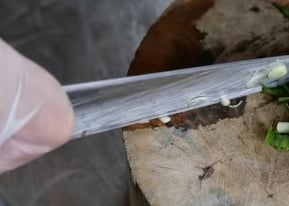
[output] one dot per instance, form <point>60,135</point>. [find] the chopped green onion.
<point>283,99</point>
<point>283,10</point>
<point>278,71</point>
<point>277,140</point>
<point>283,127</point>
<point>280,91</point>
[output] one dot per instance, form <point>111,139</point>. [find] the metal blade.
<point>105,105</point>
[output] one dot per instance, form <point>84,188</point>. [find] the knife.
<point>109,104</point>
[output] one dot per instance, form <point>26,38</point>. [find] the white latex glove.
<point>35,113</point>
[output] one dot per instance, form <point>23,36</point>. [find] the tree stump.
<point>214,155</point>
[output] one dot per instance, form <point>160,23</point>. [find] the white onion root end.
<point>283,127</point>
<point>165,120</point>
<point>225,101</point>
<point>278,71</point>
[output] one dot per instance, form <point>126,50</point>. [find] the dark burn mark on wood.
<point>242,46</point>
<point>255,9</point>
<point>181,129</point>
<point>207,172</point>
<point>208,115</point>
<point>270,195</point>
<point>154,123</point>
<point>184,129</point>
<point>173,42</point>
<point>169,124</point>
<point>180,132</point>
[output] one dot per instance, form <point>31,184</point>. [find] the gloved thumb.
<point>35,113</point>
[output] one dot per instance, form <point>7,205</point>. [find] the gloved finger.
<point>35,113</point>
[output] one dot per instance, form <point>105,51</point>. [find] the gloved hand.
<point>35,113</point>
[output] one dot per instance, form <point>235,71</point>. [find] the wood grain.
<point>224,163</point>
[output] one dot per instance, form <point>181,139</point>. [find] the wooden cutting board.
<point>215,155</point>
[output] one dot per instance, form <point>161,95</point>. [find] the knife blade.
<point>109,104</point>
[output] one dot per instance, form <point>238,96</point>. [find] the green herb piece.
<point>280,91</point>
<point>277,140</point>
<point>283,99</point>
<point>286,88</point>
<point>283,10</point>
<point>276,137</point>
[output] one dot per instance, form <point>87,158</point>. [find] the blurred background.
<point>76,41</point>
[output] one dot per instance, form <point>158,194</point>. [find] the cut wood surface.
<point>214,155</point>
<point>222,164</point>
